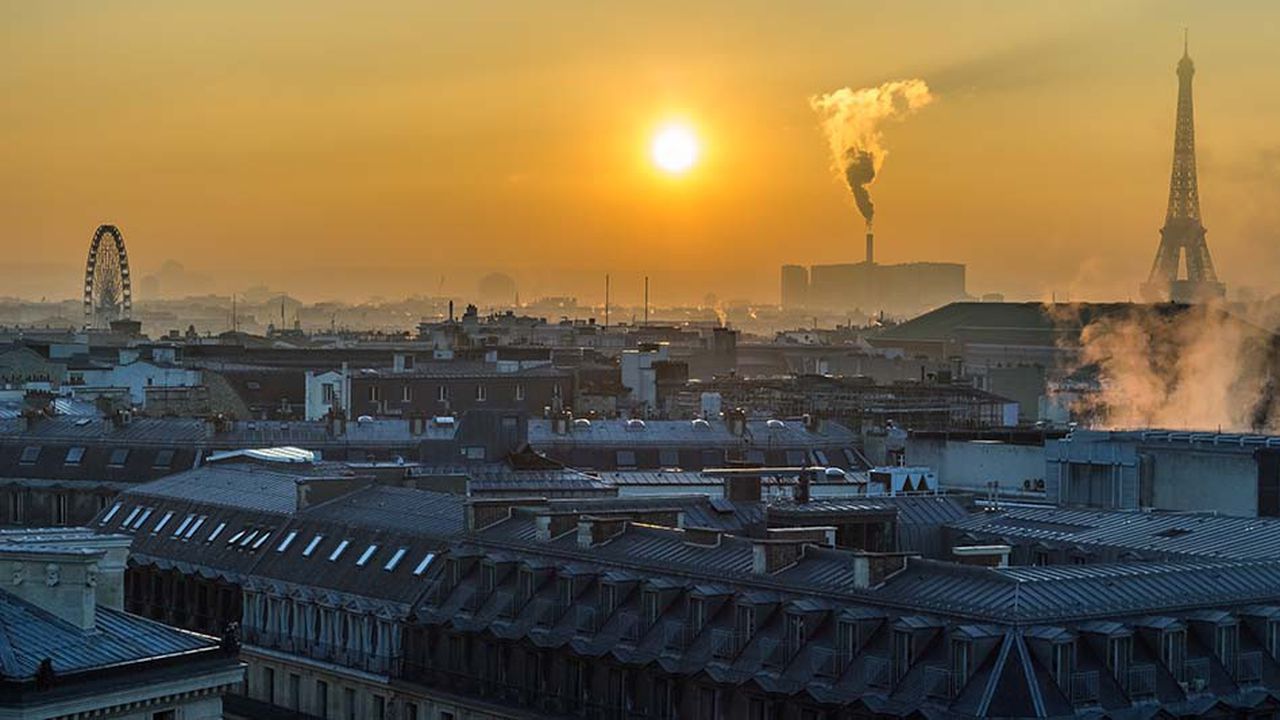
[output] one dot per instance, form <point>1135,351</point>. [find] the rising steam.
<point>1197,368</point>
<point>851,120</point>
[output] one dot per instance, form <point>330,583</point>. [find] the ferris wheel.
<point>108,294</point>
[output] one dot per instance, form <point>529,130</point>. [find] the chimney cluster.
<point>736,421</point>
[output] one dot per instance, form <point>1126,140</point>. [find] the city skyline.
<point>289,150</point>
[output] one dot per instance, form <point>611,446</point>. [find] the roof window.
<point>364,556</point>
<point>119,457</point>
<point>311,546</point>
<point>337,552</point>
<point>110,514</point>
<point>216,532</point>
<point>422,566</point>
<point>75,455</point>
<point>287,541</point>
<point>396,557</point>
<point>30,454</point>
<point>164,520</point>
<point>164,459</point>
<point>191,531</point>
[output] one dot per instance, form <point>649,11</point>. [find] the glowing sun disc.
<point>675,149</point>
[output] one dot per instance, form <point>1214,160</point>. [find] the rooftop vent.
<point>635,425</point>
<point>582,424</point>
<point>700,424</point>
<point>775,424</point>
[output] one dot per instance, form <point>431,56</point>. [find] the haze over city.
<point>336,151</point>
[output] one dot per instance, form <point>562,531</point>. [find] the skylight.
<point>132,514</point>
<point>287,541</point>
<point>262,540</point>
<point>194,527</point>
<point>395,559</point>
<point>249,538</point>
<point>110,514</point>
<point>145,514</point>
<point>75,455</point>
<point>163,521</point>
<point>422,566</point>
<point>364,556</point>
<point>338,550</point>
<point>30,454</point>
<point>311,546</point>
<point>232,540</point>
<point>216,532</point>
<point>183,525</point>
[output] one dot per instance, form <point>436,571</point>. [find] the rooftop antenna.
<point>1185,44</point>
<point>235,326</point>
<point>606,300</point>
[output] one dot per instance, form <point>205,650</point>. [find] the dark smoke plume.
<point>859,172</point>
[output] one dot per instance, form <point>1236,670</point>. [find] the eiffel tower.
<point>1182,237</point>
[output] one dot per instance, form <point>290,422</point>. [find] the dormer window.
<point>1173,652</point>
<point>846,641</point>
<point>903,653</point>
<point>608,598</point>
<point>74,456</point>
<point>744,620</point>
<point>961,663</point>
<point>649,606</point>
<point>526,584</point>
<point>795,632</point>
<point>1119,655</point>
<point>1064,663</point>
<point>697,614</point>
<point>1226,642</point>
<point>564,592</point>
<point>488,577</point>
<point>1273,637</point>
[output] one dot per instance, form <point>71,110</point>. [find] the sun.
<point>675,149</point>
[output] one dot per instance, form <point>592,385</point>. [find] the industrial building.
<point>869,287</point>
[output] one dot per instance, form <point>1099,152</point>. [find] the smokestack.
<point>871,247</point>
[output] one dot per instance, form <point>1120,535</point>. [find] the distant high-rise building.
<point>1182,237</point>
<point>795,287</point>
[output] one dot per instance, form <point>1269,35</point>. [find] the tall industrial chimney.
<point>871,248</point>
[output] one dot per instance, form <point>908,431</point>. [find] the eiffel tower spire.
<point>1182,237</point>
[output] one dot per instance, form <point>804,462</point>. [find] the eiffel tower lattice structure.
<point>1182,243</point>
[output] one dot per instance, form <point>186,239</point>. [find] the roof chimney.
<point>742,488</point>
<point>61,581</point>
<point>594,531</point>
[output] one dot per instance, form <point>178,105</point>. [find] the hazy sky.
<point>339,149</point>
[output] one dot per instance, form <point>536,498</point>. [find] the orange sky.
<point>337,149</point>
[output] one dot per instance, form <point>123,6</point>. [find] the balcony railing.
<point>1142,682</point>
<point>1249,668</point>
<point>938,682</point>
<point>1084,687</point>
<point>1197,676</point>
<point>875,671</point>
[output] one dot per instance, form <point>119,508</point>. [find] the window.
<point>410,711</point>
<point>163,460</point>
<point>60,509</point>
<point>364,556</point>
<point>236,537</point>
<point>846,640</point>
<point>608,598</point>
<point>110,514</point>
<point>1064,664</point>
<point>379,707</point>
<point>295,691</point>
<point>903,653</point>
<point>555,390</point>
<point>821,457</point>
<point>442,393</point>
<point>519,392</point>
<point>1226,640</point>
<point>182,527</point>
<point>697,614</point>
<point>30,454</point>
<point>349,699</point>
<point>526,583</point>
<point>796,458</point>
<point>1173,652</point>
<point>17,507</point>
<point>269,685</point>
<point>406,393</point>
<point>708,702</point>
<point>311,546</point>
<point>169,714</point>
<point>488,577</point>
<point>422,566</point>
<point>1119,653</point>
<point>216,532</point>
<point>626,458</point>
<point>395,559</point>
<point>194,527</point>
<point>961,658</point>
<point>146,513</point>
<point>164,520</point>
<point>744,620</point>
<point>564,592</point>
<point>375,393</point>
<point>337,552</point>
<point>326,393</point>
<point>287,541</point>
<point>118,457</point>
<point>262,539</point>
<point>75,455</point>
<point>482,393</point>
<point>669,457</point>
<point>1273,638</point>
<point>474,452</point>
<point>649,606</point>
<point>322,699</point>
<point>795,632</point>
